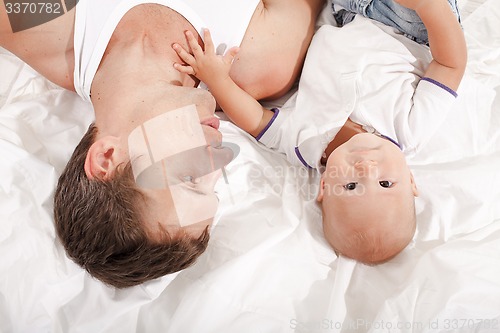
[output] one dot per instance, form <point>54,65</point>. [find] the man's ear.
<point>321,190</point>
<point>413,185</point>
<point>102,158</point>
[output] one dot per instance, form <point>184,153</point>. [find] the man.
<point>112,219</point>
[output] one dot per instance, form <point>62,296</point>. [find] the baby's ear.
<point>413,185</point>
<point>103,158</point>
<point>321,190</point>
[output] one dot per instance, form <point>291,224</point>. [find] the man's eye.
<point>350,186</point>
<point>385,183</point>
<point>188,179</point>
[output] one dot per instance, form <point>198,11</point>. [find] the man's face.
<point>177,159</point>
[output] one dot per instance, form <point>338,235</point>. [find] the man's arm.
<point>213,70</point>
<point>47,47</point>
<point>446,40</point>
<point>5,28</point>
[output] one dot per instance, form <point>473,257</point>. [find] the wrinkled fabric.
<point>268,267</point>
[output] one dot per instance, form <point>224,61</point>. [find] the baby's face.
<point>366,187</point>
<point>365,165</point>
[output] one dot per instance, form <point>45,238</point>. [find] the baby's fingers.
<point>230,54</point>
<point>183,54</point>
<point>193,44</point>
<point>184,69</point>
<point>209,44</point>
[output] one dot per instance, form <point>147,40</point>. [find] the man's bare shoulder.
<point>47,46</point>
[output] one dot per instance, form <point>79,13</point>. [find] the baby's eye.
<point>350,186</point>
<point>386,183</point>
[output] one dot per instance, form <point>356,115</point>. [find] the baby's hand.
<point>206,65</point>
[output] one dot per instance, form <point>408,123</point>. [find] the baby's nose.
<point>366,168</point>
<point>362,164</point>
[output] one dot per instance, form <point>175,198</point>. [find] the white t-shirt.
<point>96,20</point>
<point>367,72</point>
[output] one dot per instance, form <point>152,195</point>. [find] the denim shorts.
<point>388,12</point>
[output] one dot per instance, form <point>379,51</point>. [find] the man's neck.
<point>131,77</point>
<point>137,67</point>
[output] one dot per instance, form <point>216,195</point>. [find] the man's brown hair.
<point>101,225</point>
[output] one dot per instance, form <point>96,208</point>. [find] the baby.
<point>383,103</point>
<point>367,197</point>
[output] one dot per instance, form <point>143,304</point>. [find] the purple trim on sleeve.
<point>393,141</point>
<point>439,84</point>
<point>301,159</point>
<point>276,112</point>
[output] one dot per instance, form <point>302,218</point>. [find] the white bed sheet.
<point>267,267</point>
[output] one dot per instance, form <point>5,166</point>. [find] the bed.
<point>268,267</point>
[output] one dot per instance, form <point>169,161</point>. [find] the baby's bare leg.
<point>274,46</point>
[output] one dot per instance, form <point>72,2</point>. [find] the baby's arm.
<point>213,70</point>
<point>446,40</point>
